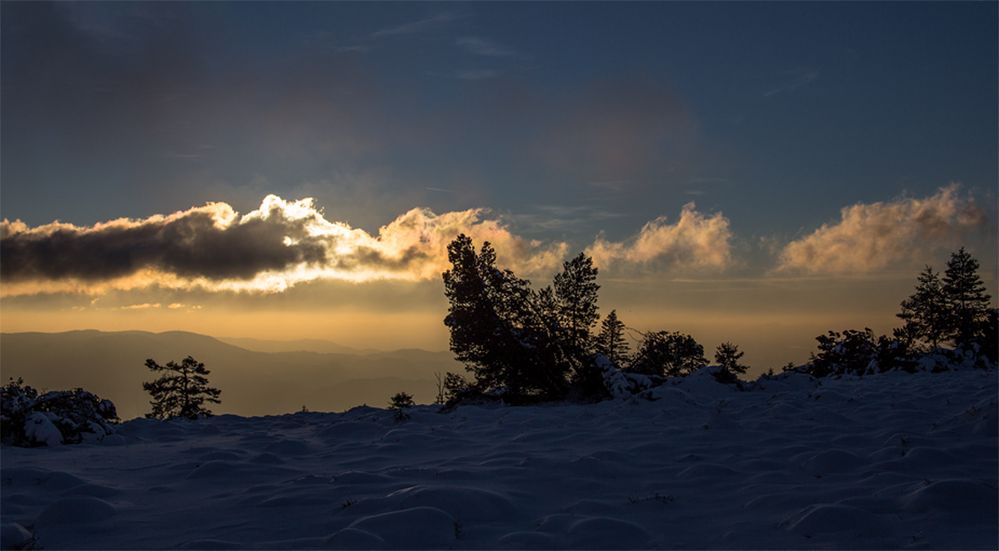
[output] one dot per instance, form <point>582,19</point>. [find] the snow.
<point>39,428</point>
<point>884,461</point>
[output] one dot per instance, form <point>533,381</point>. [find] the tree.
<point>182,391</point>
<point>966,299</point>
<point>728,355</point>
<point>478,333</point>
<point>575,293</point>
<point>611,342</point>
<point>926,312</point>
<point>670,354</point>
<point>400,403</point>
<point>498,329</point>
<point>455,387</point>
<point>575,301</point>
<point>840,353</point>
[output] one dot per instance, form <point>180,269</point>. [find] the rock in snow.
<point>885,461</point>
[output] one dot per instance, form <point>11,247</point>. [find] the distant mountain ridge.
<point>297,345</point>
<point>253,382</point>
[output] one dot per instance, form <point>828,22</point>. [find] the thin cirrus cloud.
<point>484,47</point>
<point>694,242</point>
<point>426,24</point>
<point>270,249</point>
<point>875,236</point>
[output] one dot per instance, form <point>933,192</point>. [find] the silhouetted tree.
<point>400,403</point>
<point>482,337</point>
<point>575,296</point>
<point>455,387</point>
<point>728,355</point>
<point>990,337</point>
<point>182,391</point>
<point>670,354</point>
<point>926,312</point>
<point>498,329</point>
<point>851,351</point>
<point>967,301</point>
<point>611,342</point>
<point>575,292</point>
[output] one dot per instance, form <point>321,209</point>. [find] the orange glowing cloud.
<point>875,236</point>
<point>694,242</point>
<point>270,249</point>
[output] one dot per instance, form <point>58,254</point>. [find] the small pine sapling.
<point>400,403</point>
<point>728,355</point>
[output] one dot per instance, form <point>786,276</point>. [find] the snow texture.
<point>884,461</point>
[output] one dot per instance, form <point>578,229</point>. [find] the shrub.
<point>670,354</point>
<point>56,417</point>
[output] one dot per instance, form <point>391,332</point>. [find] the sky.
<point>755,172</point>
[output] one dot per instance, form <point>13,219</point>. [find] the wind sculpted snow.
<point>887,461</point>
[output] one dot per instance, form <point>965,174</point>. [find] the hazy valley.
<point>253,382</point>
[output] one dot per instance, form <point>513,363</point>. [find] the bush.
<point>669,354</point>
<point>56,417</point>
<point>856,352</point>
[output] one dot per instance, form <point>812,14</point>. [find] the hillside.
<point>111,364</point>
<point>884,462</point>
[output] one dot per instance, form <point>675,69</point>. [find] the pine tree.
<point>728,355</point>
<point>925,313</point>
<point>966,298</point>
<point>575,290</point>
<point>611,342</point>
<point>182,391</point>
<point>498,329</point>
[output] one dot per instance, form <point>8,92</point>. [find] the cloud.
<point>477,74</point>
<point>278,245</point>
<point>481,46</point>
<point>419,26</point>
<point>803,78</point>
<point>875,236</point>
<point>695,242</point>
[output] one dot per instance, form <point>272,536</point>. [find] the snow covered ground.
<point>889,461</point>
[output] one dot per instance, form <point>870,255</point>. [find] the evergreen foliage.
<point>399,403</point>
<point>182,391</point>
<point>671,354</point>
<point>728,355</point>
<point>611,342</point>
<point>71,415</point>
<point>859,353</point>
<point>575,294</point>
<point>527,343</point>
<point>848,352</point>
<point>967,301</point>
<point>925,313</point>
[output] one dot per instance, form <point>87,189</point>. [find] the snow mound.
<point>461,503</point>
<point>14,536</point>
<point>836,518</point>
<point>418,527</point>
<point>40,430</point>
<point>76,510</point>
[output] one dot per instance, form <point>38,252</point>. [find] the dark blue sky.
<point>568,118</point>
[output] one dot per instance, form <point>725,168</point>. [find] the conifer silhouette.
<point>182,391</point>
<point>611,342</point>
